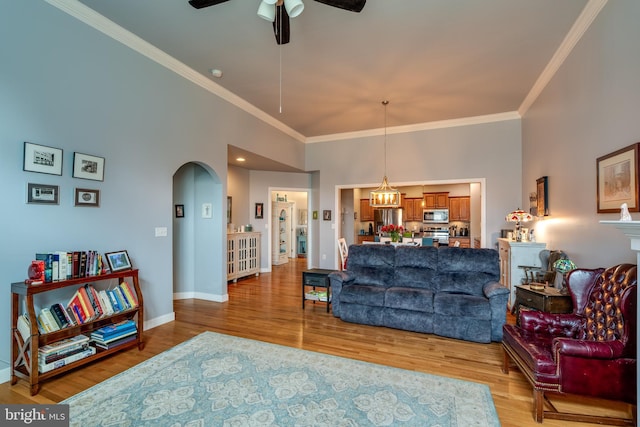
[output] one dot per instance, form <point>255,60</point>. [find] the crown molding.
<point>442,124</point>
<point>582,24</point>
<point>90,17</point>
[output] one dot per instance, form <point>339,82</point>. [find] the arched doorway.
<point>199,234</point>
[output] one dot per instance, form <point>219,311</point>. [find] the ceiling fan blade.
<point>199,4</point>
<point>351,5</point>
<point>281,25</point>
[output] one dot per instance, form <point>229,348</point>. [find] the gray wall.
<point>68,86</point>
<point>590,109</point>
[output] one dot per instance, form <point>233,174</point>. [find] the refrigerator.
<point>387,216</point>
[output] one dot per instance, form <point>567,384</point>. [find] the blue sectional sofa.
<point>447,291</point>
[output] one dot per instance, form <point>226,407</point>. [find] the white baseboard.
<point>201,295</point>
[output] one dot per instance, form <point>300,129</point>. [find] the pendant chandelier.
<point>384,196</point>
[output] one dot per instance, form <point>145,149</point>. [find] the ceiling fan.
<point>279,11</point>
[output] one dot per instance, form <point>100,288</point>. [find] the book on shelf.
<point>46,367</point>
<point>115,337</point>
<point>64,343</point>
<point>52,357</point>
<point>116,343</point>
<point>316,295</point>
<point>114,328</point>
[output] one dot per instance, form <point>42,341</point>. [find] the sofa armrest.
<point>589,349</point>
<point>558,325</point>
<point>338,279</point>
<point>492,289</point>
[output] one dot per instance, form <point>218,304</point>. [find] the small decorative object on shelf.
<point>624,213</point>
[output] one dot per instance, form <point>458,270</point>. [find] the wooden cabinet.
<point>548,300</point>
<point>412,209</point>
<point>366,211</point>
<point>459,209</point>
<point>243,255</point>
<point>24,351</point>
<point>365,238</point>
<point>513,255</point>
<point>281,232</point>
<point>436,200</point>
<point>465,242</point>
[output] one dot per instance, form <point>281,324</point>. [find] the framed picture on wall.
<point>87,197</point>
<point>259,214</point>
<point>542,202</point>
<point>88,167</point>
<point>228,209</point>
<point>43,194</point>
<point>617,181</point>
<point>326,215</point>
<point>179,211</point>
<point>42,159</point>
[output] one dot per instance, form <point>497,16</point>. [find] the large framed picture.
<point>87,197</point>
<point>42,159</point>
<point>43,194</point>
<point>617,181</point>
<point>88,167</point>
<point>118,261</point>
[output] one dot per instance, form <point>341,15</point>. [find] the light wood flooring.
<point>269,308</point>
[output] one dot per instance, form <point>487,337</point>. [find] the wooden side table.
<point>316,278</point>
<point>548,300</point>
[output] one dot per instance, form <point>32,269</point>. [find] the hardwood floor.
<point>268,308</point>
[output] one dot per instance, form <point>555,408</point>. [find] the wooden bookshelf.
<point>25,352</point>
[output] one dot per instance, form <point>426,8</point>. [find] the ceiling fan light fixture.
<point>267,10</point>
<point>294,7</point>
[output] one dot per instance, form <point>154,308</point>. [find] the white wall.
<point>588,110</point>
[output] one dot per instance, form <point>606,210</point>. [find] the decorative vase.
<point>394,237</point>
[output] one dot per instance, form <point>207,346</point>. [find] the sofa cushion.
<point>372,264</point>
<point>363,295</point>
<point>460,305</point>
<point>416,267</point>
<point>413,299</point>
<point>466,270</point>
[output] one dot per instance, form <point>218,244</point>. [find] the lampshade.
<point>267,10</point>
<point>293,7</point>
<point>384,196</point>
<point>519,216</point>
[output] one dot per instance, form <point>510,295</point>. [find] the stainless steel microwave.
<point>438,216</point>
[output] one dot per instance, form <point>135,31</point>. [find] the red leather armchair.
<point>591,351</point>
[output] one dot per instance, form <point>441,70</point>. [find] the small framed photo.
<point>88,167</point>
<point>42,159</point>
<point>87,197</point>
<point>542,196</point>
<point>118,261</point>
<point>259,214</point>
<point>326,215</point>
<point>179,211</point>
<point>314,215</point>
<point>617,180</point>
<point>229,217</point>
<point>43,194</point>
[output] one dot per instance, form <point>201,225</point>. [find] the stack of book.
<point>86,305</point>
<point>316,295</point>
<point>63,352</point>
<point>114,335</point>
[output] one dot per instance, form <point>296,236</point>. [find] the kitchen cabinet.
<point>365,238</point>
<point>512,256</point>
<point>436,200</point>
<point>465,242</point>
<point>366,211</point>
<point>459,209</point>
<point>412,209</point>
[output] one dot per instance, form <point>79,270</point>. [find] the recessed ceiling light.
<point>216,73</point>
<point>240,159</point>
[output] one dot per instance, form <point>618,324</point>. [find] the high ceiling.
<point>433,59</point>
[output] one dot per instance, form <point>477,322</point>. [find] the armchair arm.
<point>338,279</point>
<point>560,325</point>
<point>498,296</point>
<point>589,349</point>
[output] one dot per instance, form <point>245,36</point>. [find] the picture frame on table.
<point>118,261</point>
<point>617,180</point>
<point>86,166</point>
<point>42,159</point>
<point>87,197</point>
<point>43,194</point>
<point>542,197</point>
<point>259,213</point>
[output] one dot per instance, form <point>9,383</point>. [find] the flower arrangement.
<point>393,230</point>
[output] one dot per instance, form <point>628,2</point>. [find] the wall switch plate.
<point>207,210</point>
<point>161,231</point>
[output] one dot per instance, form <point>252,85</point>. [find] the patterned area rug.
<point>220,380</point>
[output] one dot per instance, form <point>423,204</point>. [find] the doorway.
<point>298,232</point>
